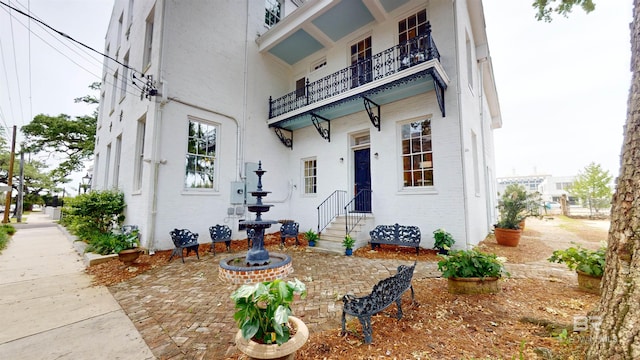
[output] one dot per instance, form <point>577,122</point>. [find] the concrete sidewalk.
<point>48,307</point>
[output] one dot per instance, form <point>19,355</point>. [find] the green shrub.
<point>470,264</point>
<point>112,243</point>
<point>9,229</point>
<point>4,240</point>
<point>94,213</point>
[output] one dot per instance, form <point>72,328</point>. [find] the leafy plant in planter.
<point>312,237</point>
<point>348,243</point>
<point>472,272</point>
<point>443,240</point>
<point>590,262</point>
<point>471,264</point>
<point>514,205</point>
<point>263,309</point>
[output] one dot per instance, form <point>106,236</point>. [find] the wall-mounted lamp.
<point>375,155</point>
<point>341,160</point>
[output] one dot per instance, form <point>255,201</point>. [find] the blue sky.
<point>562,86</point>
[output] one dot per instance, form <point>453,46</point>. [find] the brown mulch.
<point>515,324</point>
<point>525,320</point>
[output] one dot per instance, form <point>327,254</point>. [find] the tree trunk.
<point>618,313</point>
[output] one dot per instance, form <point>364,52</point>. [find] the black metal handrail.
<point>353,209</point>
<point>380,65</point>
<point>330,208</point>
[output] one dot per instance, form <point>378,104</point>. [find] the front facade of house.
<point>391,103</point>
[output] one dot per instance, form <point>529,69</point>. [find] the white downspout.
<point>460,116</point>
<point>485,167</point>
<point>155,147</point>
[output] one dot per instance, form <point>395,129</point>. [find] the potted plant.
<point>312,237</point>
<point>348,243</point>
<point>472,272</point>
<point>588,264</point>
<point>263,315</point>
<point>514,205</point>
<point>442,241</point>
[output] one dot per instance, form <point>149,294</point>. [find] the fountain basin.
<point>235,270</point>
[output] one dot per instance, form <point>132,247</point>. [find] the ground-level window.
<point>201,155</point>
<point>417,154</point>
<point>310,176</point>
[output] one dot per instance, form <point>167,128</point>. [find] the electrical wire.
<point>15,65</point>
<point>4,67</point>
<point>68,37</point>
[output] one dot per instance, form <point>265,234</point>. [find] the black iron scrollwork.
<point>286,140</point>
<point>324,132</point>
<point>375,119</point>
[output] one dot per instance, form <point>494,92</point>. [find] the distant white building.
<point>551,188</point>
<point>391,103</point>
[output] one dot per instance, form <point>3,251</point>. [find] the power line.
<point>15,65</point>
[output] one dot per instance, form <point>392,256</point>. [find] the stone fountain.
<point>258,265</point>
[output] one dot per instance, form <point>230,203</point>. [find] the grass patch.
<point>4,240</point>
<point>584,231</point>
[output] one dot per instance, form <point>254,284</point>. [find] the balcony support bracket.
<point>325,132</point>
<point>439,87</point>
<point>285,136</point>
<point>375,119</point>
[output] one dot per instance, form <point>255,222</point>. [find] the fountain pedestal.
<point>258,265</point>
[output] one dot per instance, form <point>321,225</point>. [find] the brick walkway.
<point>183,311</point>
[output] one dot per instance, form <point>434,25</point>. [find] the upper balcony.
<point>396,73</point>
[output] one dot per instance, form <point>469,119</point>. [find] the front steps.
<point>331,237</point>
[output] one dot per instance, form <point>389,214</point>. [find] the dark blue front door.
<point>362,180</point>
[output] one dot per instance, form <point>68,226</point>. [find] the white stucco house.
<point>391,103</point>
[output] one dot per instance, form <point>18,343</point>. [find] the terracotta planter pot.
<point>129,256</point>
<point>487,285</point>
<point>507,237</point>
<point>589,283</point>
<point>285,351</point>
<point>522,224</point>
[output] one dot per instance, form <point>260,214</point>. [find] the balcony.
<point>396,73</point>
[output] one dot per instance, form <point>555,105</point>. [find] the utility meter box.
<point>251,180</point>
<point>237,193</point>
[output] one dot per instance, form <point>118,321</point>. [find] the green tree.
<point>616,336</point>
<point>73,139</point>
<point>592,187</point>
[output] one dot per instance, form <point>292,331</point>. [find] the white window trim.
<point>412,190</point>
<point>303,177</point>
<point>216,166</point>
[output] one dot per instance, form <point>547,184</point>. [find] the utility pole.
<point>20,200</point>
<point>7,204</point>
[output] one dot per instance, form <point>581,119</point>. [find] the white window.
<point>123,78</point>
<point>476,163</point>
<point>272,12</point>
<point>148,41</point>
<point>310,176</point>
<point>120,20</point>
<point>139,161</point>
<point>200,159</point>
<point>114,90</point>
<point>469,61</point>
<point>129,18</point>
<point>116,161</point>
<point>417,154</point>
<point>107,163</point>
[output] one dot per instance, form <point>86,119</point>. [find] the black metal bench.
<point>222,233</point>
<point>401,235</point>
<point>184,239</point>
<point>384,294</point>
<point>289,230</point>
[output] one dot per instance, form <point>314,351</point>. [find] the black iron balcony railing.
<point>379,66</point>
